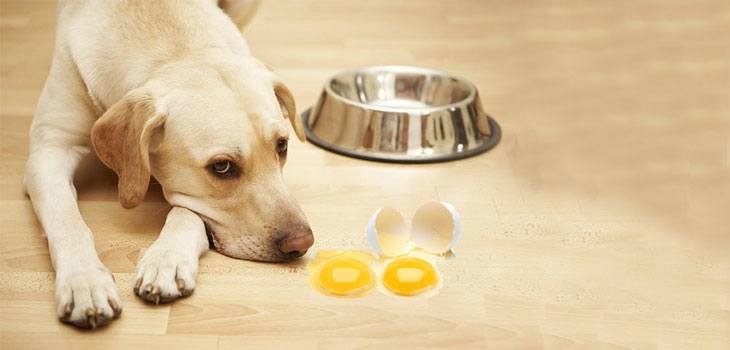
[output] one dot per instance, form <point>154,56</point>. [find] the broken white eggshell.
<point>388,233</point>
<point>436,227</point>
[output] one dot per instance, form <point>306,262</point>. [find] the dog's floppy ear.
<point>121,139</point>
<point>286,101</point>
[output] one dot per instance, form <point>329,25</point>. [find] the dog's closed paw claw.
<point>66,313</point>
<point>115,307</point>
<point>137,286</point>
<point>164,276</point>
<point>87,298</point>
<point>91,318</point>
<point>181,287</point>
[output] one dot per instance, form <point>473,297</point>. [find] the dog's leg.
<point>168,268</point>
<point>86,295</point>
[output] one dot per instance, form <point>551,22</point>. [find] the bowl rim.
<point>492,141</point>
<point>403,69</point>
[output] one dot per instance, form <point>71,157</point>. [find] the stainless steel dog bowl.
<point>400,114</point>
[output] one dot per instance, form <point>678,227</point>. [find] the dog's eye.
<point>223,169</point>
<point>281,146</point>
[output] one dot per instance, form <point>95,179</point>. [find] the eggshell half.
<point>436,227</point>
<point>388,233</point>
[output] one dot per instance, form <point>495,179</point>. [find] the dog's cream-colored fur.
<point>164,89</point>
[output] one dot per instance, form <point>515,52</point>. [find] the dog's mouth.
<point>215,244</point>
<point>212,240</point>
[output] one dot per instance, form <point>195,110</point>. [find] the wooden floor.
<point>602,219</point>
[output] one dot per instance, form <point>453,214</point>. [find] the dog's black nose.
<point>296,244</point>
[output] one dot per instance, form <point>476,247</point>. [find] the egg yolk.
<point>409,276</point>
<point>345,276</point>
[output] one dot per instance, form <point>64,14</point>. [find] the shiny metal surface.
<point>400,114</point>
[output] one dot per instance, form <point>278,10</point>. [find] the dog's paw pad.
<point>164,276</point>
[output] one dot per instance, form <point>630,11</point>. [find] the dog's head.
<point>217,143</point>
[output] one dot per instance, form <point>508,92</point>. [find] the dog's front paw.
<point>165,275</point>
<point>87,297</point>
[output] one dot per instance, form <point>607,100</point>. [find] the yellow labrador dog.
<point>169,89</point>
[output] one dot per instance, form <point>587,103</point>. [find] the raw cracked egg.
<point>409,276</point>
<point>435,228</point>
<point>342,273</point>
